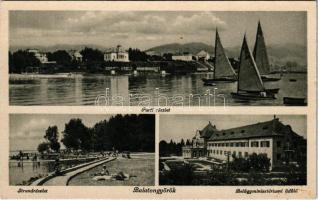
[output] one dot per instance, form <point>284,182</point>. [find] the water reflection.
<point>133,89</point>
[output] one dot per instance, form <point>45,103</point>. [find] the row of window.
<point>241,144</point>
<point>233,153</point>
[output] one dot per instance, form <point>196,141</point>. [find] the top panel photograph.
<point>158,58</point>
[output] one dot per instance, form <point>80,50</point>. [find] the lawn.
<point>141,167</point>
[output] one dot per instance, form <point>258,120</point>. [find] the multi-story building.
<point>271,138</point>
<point>116,55</point>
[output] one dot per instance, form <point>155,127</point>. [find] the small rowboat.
<point>294,101</point>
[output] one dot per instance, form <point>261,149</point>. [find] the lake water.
<point>171,90</point>
<point>18,174</point>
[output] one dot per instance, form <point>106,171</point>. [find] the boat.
<point>294,101</point>
<point>223,70</point>
<point>261,57</point>
<point>266,78</point>
<point>250,85</point>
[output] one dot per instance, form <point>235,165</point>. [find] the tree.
<point>259,162</point>
<point>182,142</point>
<point>62,58</point>
<point>137,55</point>
<point>43,147</point>
<point>20,60</point>
<point>92,55</point>
<point>76,135</point>
<point>52,135</point>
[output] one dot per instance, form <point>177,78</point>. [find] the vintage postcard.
<point>160,100</point>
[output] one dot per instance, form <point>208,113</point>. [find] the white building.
<point>203,55</point>
<point>183,57</point>
<point>271,138</point>
<point>39,55</point>
<point>116,56</point>
<point>76,55</point>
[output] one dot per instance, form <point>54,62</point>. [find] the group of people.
<point>119,176</point>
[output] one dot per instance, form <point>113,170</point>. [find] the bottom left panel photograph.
<point>83,149</point>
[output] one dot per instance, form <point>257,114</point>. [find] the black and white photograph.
<point>233,150</point>
<point>158,58</point>
<point>81,150</point>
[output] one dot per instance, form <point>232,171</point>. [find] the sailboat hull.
<point>268,79</point>
<point>252,96</point>
<point>270,91</point>
<point>213,80</point>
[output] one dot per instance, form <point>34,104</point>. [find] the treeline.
<point>172,148</point>
<point>92,60</point>
<point>122,132</point>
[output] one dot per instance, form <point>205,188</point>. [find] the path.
<point>65,178</point>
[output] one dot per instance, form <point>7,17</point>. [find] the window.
<point>264,143</point>
<point>245,154</point>
<point>278,144</point>
<point>242,131</point>
<point>240,154</point>
<point>217,151</point>
<point>221,152</point>
<point>232,133</point>
<point>223,133</point>
<point>237,144</point>
<point>231,144</point>
<point>223,144</point>
<point>227,144</point>
<point>234,153</point>
<point>254,144</point>
<point>246,144</point>
<point>278,156</point>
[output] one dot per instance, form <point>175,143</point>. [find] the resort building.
<point>116,55</point>
<point>183,57</point>
<point>76,55</point>
<point>271,138</point>
<point>39,55</point>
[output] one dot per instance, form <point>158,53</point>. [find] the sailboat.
<point>250,85</point>
<point>261,57</point>
<point>223,71</point>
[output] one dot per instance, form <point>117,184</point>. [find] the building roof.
<point>263,129</point>
<point>208,130</point>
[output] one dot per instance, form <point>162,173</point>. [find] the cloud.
<point>111,23</point>
<point>33,128</point>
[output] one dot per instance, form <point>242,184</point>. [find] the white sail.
<point>260,52</point>
<point>249,78</point>
<point>222,65</point>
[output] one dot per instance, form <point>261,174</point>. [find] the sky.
<point>146,29</point>
<point>27,130</point>
<point>176,127</point>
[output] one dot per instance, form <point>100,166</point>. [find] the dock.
<point>61,180</point>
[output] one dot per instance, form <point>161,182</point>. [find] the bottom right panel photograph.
<point>233,150</point>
